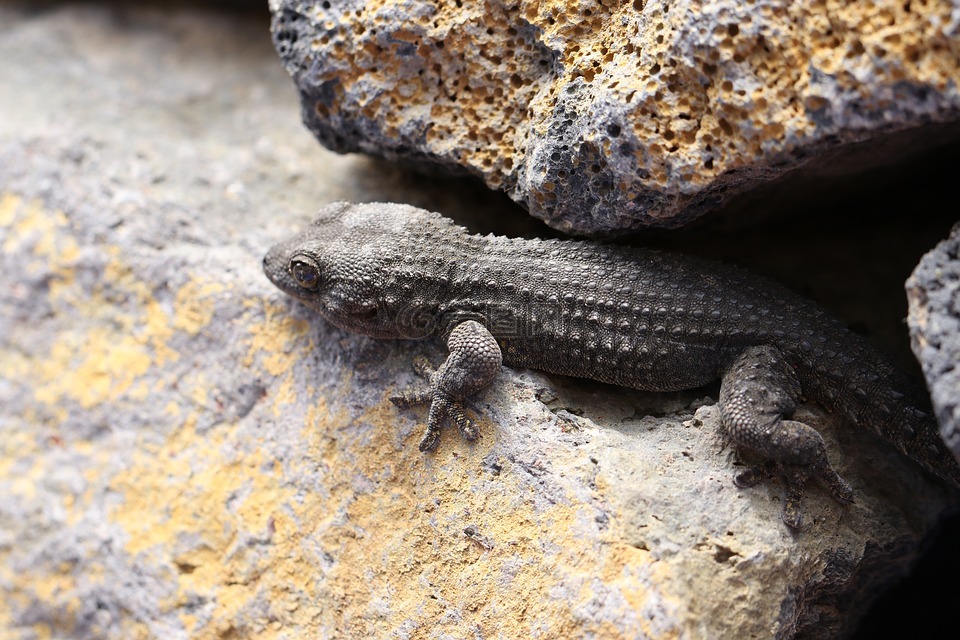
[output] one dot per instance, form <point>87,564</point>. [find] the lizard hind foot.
<point>795,478</point>
<point>758,393</point>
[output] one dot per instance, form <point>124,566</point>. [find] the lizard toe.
<point>411,397</point>
<point>430,440</point>
<point>423,367</point>
<point>468,428</point>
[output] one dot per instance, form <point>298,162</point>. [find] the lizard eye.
<point>305,271</point>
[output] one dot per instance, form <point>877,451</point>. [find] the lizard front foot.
<point>473,363</point>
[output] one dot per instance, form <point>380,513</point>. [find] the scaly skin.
<point>633,317</point>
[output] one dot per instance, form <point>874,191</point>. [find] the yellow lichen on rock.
<point>194,305</point>
<point>102,356</point>
<point>113,352</point>
<point>604,116</point>
<point>186,503</point>
<point>273,339</point>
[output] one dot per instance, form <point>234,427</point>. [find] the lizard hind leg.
<point>759,390</point>
<point>473,363</point>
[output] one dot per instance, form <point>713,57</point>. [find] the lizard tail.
<point>874,394</point>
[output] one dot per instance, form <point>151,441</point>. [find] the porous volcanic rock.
<point>933,292</point>
<point>602,116</point>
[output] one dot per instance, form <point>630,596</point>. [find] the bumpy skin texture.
<point>633,317</point>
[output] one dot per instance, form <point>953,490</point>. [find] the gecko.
<point>634,317</point>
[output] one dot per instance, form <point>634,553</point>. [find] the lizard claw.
<point>468,429</point>
<point>839,488</point>
<point>430,440</point>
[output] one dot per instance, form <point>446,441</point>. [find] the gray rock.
<point>184,452</point>
<point>933,291</point>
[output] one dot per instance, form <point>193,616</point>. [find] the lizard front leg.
<point>473,363</point>
<point>758,392</point>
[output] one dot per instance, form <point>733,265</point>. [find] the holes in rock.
<point>722,554</point>
<point>614,131</point>
<point>185,567</point>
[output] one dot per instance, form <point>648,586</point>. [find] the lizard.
<point>629,316</point>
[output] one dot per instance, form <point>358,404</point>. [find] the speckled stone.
<point>187,453</point>
<point>933,292</point>
<point>602,116</point>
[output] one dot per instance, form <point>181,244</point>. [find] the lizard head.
<point>337,265</point>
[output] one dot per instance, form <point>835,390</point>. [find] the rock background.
<point>601,116</point>
<point>933,291</point>
<point>184,452</point>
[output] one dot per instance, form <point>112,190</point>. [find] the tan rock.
<point>605,116</point>
<point>186,453</point>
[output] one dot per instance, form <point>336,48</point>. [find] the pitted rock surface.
<point>933,291</point>
<point>603,116</point>
<point>185,453</point>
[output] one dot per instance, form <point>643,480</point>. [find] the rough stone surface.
<point>184,452</point>
<point>933,292</point>
<point>600,116</point>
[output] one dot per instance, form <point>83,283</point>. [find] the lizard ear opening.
<point>305,271</point>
